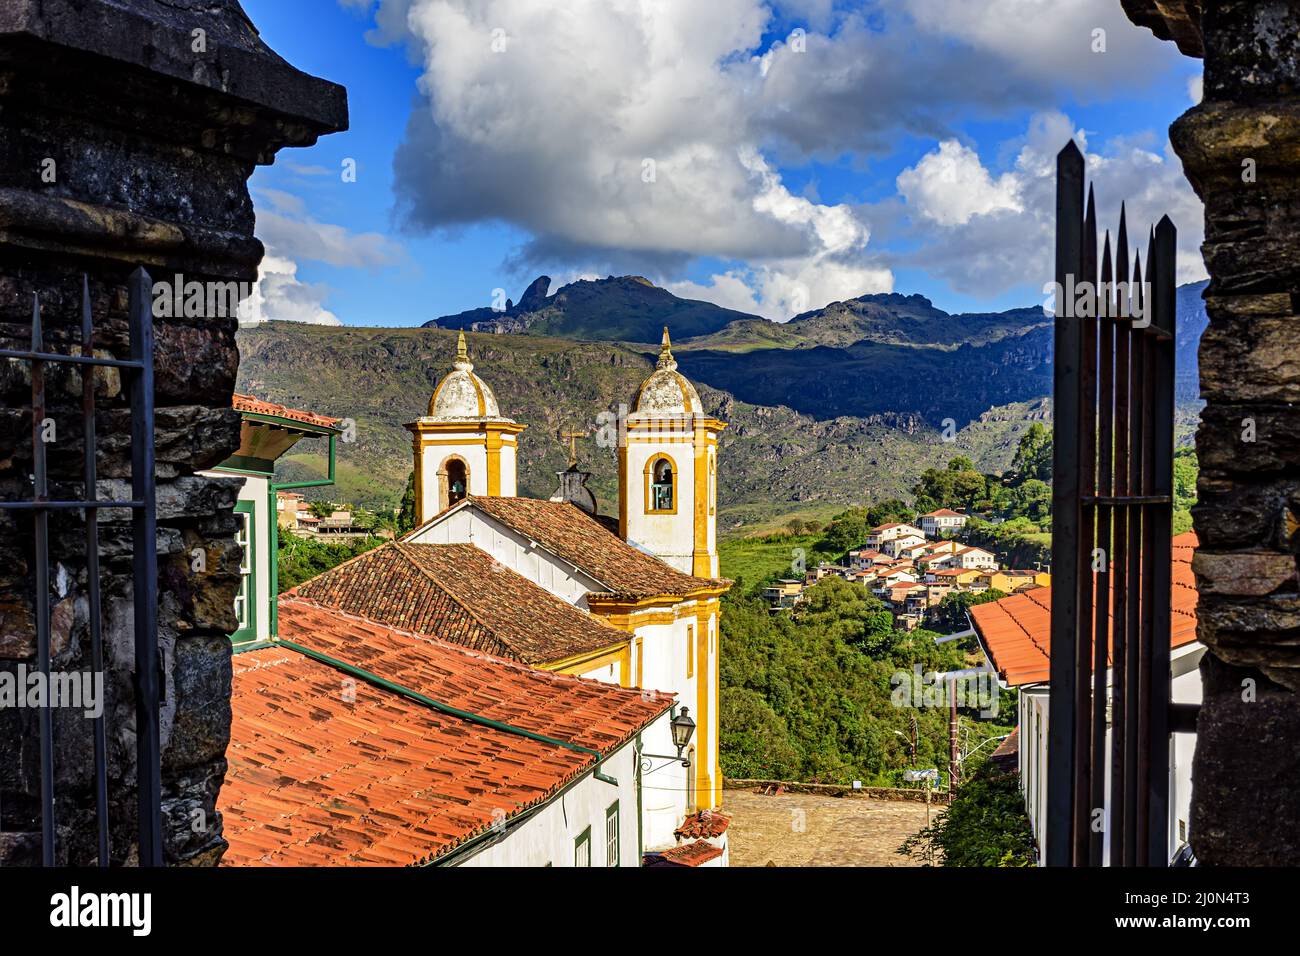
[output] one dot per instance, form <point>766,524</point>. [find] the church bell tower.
<point>463,445</point>
<point>668,472</point>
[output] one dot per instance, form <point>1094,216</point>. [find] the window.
<point>611,835</point>
<point>457,481</point>
<point>246,598</point>
<point>582,848</point>
<point>661,488</point>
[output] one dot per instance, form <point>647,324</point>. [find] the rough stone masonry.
<point>1241,151</point>
<point>128,131</point>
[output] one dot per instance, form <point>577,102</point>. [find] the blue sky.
<point>803,151</point>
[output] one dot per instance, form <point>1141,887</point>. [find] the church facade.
<point>651,581</point>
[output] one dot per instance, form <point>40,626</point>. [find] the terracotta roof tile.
<point>576,537</point>
<point>247,403</point>
<point>704,825</point>
<point>688,854</point>
<point>1016,631</point>
<point>326,768</point>
<point>461,594</point>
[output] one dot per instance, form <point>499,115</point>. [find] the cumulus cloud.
<point>281,296</point>
<point>951,185</point>
<point>284,224</point>
<point>646,136</point>
<point>998,233</point>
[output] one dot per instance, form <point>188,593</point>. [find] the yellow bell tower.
<point>463,445</point>
<point>668,472</point>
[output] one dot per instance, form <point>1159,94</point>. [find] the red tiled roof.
<point>460,593</point>
<point>1009,747</point>
<point>576,537</point>
<point>705,825</point>
<point>688,854</point>
<point>330,769</point>
<point>1016,631</point>
<point>247,403</point>
<point>943,513</point>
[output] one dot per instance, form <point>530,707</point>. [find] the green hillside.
<point>773,461</point>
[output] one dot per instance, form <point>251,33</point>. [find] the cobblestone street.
<point>798,829</point>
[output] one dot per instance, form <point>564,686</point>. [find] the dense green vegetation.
<point>985,825</point>
<point>807,695</point>
<point>300,559</point>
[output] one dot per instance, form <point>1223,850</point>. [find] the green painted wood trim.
<point>583,837</point>
<point>271,490</point>
<point>292,424</point>
<point>247,634</point>
<point>612,811</point>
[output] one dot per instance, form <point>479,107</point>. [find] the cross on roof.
<point>572,438</point>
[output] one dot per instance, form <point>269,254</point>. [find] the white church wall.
<point>669,536</point>
<point>470,526</point>
<point>549,837</point>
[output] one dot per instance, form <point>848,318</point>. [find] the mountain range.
<point>842,404</point>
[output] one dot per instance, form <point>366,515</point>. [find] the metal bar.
<point>1134,584</point>
<point>66,505</point>
<point>1105,482</point>
<point>41,520</point>
<point>1119,562</point>
<point>1087,439</point>
<point>89,443</point>
<point>1127,500</point>
<point>145,573</point>
<point>1145,702</point>
<point>1065,510</point>
<point>1164,292</point>
<point>34,355</point>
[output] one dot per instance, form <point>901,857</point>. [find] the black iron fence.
<point>1110,714</point>
<point>137,375</point>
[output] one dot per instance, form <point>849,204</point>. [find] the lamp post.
<point>683,728</point>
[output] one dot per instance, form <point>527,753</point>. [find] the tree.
<point>406,517</point>
<point>1032,500</point>
<point>1034,454</point>
<point>848,529</point>
<point>950,616</point>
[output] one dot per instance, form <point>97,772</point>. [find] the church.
<point>541,620</point>
<point>653,578</point>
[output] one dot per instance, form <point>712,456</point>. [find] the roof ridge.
<point>460,600</point>
<point>461,648</point>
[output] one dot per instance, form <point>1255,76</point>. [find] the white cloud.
<point>986,251</point>
<point>285,225</point>
<point>1196,88</point>
<point>625,135</point>
<point>951,185</point>
<point>281,296</point>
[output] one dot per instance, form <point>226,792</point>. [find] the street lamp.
<point>682,727</point>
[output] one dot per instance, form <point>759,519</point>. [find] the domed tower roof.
<point>667,391</point>
<point>461,393</point>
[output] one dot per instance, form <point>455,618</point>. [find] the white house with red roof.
<point>942,521</point>
<point>879,535</point>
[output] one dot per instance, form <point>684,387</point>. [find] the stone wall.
<point>1241,151</point>
<point>128,130</point>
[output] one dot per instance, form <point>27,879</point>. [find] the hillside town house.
<point>942,521</point>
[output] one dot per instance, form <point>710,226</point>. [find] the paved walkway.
<point>800,829</point>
